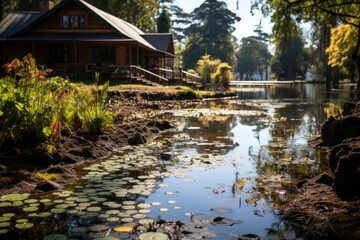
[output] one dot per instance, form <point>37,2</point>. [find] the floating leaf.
<point>106,238</point>
<point>4,224</point>
<point>124,229</point>
<point>26,225</point>
<point>5,219</point>
<point>10,215</point>
<point>154,235</point>
<point>14,197</point>
<point>3,231</point>
<point>30,209</point>
<point>55,237</point>
<point>22,220</point>
<point>98,228</point>
<point>94,209</point>
<point>127,220</point>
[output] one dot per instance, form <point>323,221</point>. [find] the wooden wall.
<point>53,24</point>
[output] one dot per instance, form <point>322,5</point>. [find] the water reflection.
<point>237,160</point>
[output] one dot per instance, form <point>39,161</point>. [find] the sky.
<point>245,27</point>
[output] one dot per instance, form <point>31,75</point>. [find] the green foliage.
<point>206,67</point>
<point>214,71</point>
<point>27,99</point>
<point>324,13</point>
<point>91,108</point>
<point>34,107</point>
<point>290,59</point>
<point>210,33</point>
<point>223,74</point>
<point>253,56</point>
<point>141,13</point>
<point>187,94</point>
<point>164,22</point>
<point>342,45</point>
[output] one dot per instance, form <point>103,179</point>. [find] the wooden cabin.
<point>76,39</point>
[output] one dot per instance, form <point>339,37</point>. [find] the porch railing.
<point>146,75</point>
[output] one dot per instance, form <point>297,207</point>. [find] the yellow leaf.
<point>240,182</point>
<point>248,200</point>
<point>124,229</point>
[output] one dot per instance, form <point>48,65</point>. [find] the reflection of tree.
<point>214,129</point>
<point>283,155</point>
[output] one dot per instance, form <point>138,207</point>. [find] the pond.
<point>223,174</point>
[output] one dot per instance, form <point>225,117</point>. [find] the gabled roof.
<point>15,22</point>
<point>161,41</point>
<point>16,25</point>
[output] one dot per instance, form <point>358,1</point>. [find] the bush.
<point>35,107</point>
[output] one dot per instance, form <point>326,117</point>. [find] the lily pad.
<point>14,197</point>
<point>55,237</point>
<point>3,231</point>
<point>30,209</point>
<point>98,228</point>
<point>106,238</point>
<point>4,219</point>
<point>23,226</point>
<point>4,224</point>
<point>124,229</point>
<point>154,235</point>
<point>94,209</point>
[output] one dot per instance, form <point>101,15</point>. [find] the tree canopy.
<point>141,13</point>
<point>252,57</point>
<point>164,22</point>
<point>334,13</point>
<point>210,33</point>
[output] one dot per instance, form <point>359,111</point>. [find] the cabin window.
<point>74,21</point>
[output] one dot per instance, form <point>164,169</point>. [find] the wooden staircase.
<point>147,77</point>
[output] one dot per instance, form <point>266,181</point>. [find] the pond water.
<point>223,174</point>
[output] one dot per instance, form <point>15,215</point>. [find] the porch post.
<point>137,55</point>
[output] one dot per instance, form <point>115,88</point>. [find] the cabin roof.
<point>15,22</point>
<point>15,26</point>
<point>161,41</point>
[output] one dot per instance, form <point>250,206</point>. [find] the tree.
<point>253,56</point>
<point>210,33</point>
<point>331,12</point>
<point>19,5</point>
<point>341,48</point>
<point>141,13</point>
<point>164,22</point>
<point>223,74</point>
<point>290,57</point>
<point>206,67</point>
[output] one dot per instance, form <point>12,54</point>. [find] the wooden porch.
<point>126,74</point>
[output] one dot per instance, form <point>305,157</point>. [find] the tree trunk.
<point>356,58</point>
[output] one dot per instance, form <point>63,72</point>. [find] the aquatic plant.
<point>35,107</point>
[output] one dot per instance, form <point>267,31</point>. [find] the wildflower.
<point>8,67</point>
<point>15,64</point>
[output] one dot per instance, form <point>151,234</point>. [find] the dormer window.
<point>73,21</point>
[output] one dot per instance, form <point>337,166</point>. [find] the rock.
<point>347,176</point>
<point>335,131</point>
<point>44,187</point>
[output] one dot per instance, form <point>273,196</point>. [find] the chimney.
<point>46,5</point>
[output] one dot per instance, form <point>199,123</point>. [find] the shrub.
<point>35,107</point>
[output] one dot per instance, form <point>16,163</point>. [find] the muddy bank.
<point>134,125</point>
<point>329,204</point>
<point>20,165</point>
